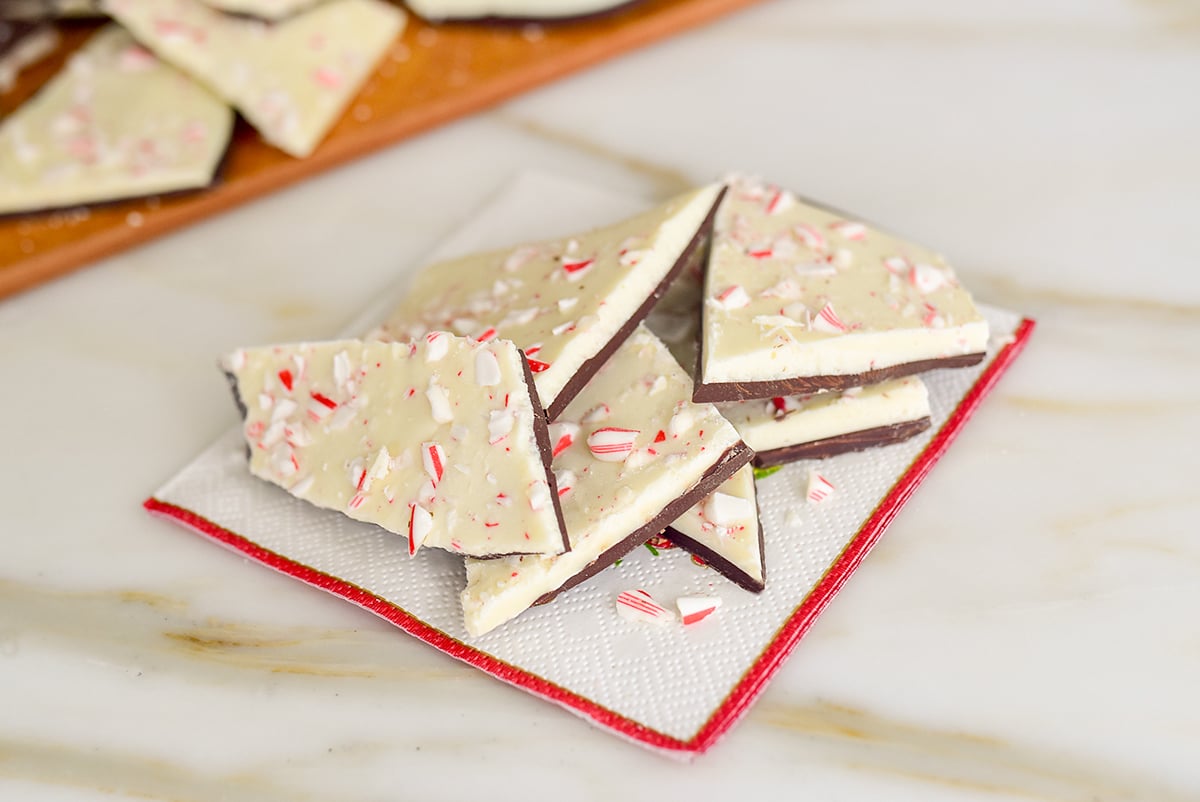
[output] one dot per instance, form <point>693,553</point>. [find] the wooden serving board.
<point>433,74</point>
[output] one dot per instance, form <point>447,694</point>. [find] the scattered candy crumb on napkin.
<point>674,688</point>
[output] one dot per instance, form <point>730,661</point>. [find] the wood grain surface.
<point>431,75</point>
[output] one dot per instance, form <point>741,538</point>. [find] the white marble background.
<point>1028,627</point>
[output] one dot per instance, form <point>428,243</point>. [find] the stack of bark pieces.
<point>529,409</point>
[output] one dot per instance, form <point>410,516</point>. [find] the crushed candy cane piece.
<point>640,606</point>
<point>819,488</point>
<point>598,413</point>
<point>487,369</point>
<point>611,443</point>
<point>850,229</point>
<point>734,297</point>
<point>437,343</point>
<point>439,403</point>
<point>577,268</point>
<point>827,321</point>
<point>927,278</point>
<point>433,457</point>
<point>562,437</point>
<point>420,524</point>
<point>500,423</point>
<point>723,509</point>
<point>696,608</point>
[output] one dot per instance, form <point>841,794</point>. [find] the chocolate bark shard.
<point>567,302</point>
<point>441,441</point>
<point>272,10</point>
<point>842,444</point>
<point>115,123</point>
<point>797,298</point>
<point>632,454</point>
<point>291,80</point>
<point>724,530</point>
<point>849,420</point>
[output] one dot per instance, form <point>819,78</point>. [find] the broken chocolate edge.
<point>721,565</point>
<point>698,247</point>
<point>844,443</point>
<point>717,392</point>
<point>734,458</point>
<point>541,433</point>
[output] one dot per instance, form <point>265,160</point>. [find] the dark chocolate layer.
<point>746,391</point>
<point>541,433</point>
<point>843,443</point>
<point>723,566</point>
<point>696,252</point>
<point>734,457</point>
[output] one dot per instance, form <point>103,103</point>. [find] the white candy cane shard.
<point>734,297</point>
<point>565,481</point>
<point>850,230</point>
<point>437,343</point>
<point>562,437</point>
<point>812,238</point>
<point>779,201</point>
<point>723,509</point>
<point>612,444</point>
<point>640,606</point>
<point>827,321</point>
<point>420,524</point>
<point>696,608</point>
<point>819,488</point>
<point>539,495</point>
<point>439,403</point>
<point>598,413</point>
<point>487,369</point>
<point>500,423</point>
<point>927,278</point>
<point>433,457</point>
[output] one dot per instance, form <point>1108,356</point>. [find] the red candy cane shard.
<point>640,606</point>
<point>612,444</point>
<point>562,437</point>
<point>285,378</point>
<point>487,334</point>
<point>658,438</point>
<point>780,201</point>
<point>819,488</point>
<point>537,366</point>
<point>696,608</point>
<point>576,268</point>
<point>828,321</point>
<point>434,460</point>
<point>420,524</point>
<point>323,400</point>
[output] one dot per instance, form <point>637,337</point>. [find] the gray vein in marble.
<point>140,631</point>
<point>961,760</point>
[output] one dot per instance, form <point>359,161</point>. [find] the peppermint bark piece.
<point>788,428</point>
<point>799,299</point>
<point>114,123</point>
<point>441,441</point>
<point>524,10</point>
<point>631,454</point>
<point>567,302</point>
<point>724,531</point>
<point>291,80</point>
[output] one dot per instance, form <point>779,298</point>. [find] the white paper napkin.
<point>669,688</point>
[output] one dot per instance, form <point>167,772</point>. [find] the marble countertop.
<point>1025,630</point>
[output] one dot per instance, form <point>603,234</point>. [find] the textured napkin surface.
<point>669,679</point>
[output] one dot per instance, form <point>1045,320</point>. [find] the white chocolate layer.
<point>793,290</point>
<point>772,423</point>
<point>726,522</point>
<point>115,123</point>
<point>291,80</point>
<point>561,300</point>
<point>518,9</point>
<point>439,432</point>
<point>640,388</point>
